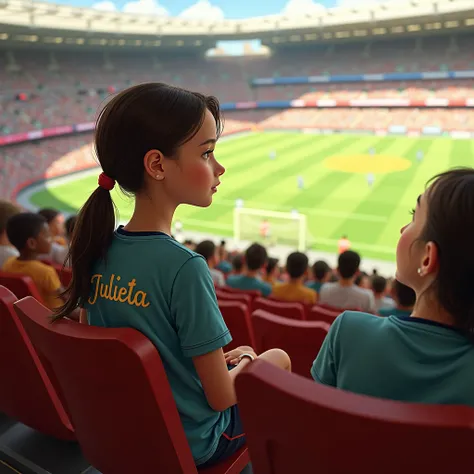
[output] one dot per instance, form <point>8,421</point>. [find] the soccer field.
<point>336,196</point>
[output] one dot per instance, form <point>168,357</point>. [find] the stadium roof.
<point>27,22</point>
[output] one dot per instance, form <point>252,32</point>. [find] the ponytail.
<point>91,239</point>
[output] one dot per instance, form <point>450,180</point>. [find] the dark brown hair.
<point>450,226</point>
<point>137,120</point>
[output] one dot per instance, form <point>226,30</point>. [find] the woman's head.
<point>157,142</point>
<point>435,255</point>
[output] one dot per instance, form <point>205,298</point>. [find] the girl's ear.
<point>153,164</point>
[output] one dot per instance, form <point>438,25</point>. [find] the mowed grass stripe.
<point>436,159</point>
<point>379,199</point>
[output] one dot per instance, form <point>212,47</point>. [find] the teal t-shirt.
<point>243,282</point>
<point>224,266</point>
<point>394,312</point>
<point>152,283</point>
<point>399,358</point>
<point>314,285</point>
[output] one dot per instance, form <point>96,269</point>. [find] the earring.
<point>420,272</point>
<point>159,177</point>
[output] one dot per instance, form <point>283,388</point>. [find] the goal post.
<point>270,227</point>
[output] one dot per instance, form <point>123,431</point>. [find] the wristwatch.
<point>248,355</point>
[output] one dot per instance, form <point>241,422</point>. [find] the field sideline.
<point>336,197</point>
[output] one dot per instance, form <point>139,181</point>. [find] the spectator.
<point>295,290</point>
<point>157,142</point>
<point>189,244</point>
<point>55,221</point>
<point>208,250</point>
<point>237,264</point>
<point>379,287</point>
<point>344,293</point>
<point>404,298</point>
<point>59,252</point>
<point>7,250</point>
<point>321,275</point>
<point>426,357</point>
<point>224,265</point>
<point>255,260</point>
<point>30,234</point>
<point>272,271</point>
<point>363,281</point>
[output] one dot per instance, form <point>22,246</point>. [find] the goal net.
<point>270,227</point>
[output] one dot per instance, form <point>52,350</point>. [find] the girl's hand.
<point>232,357</point>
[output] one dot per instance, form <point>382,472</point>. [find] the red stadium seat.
<point>237,318</point>
<point>26,392</point>
<point>240,297</point>
<point>20,285</point>
<point>118,395</point>
<point>325,430</point>
<point>300,339</point>
<point>252,293</point>
<point>281,308</point>
<point>319,313</point>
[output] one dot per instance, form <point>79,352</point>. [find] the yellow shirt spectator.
<point>295,291</point>
<point>44,277</point>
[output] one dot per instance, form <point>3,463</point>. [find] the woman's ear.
<point>153,163</point>
<point>429,261</point>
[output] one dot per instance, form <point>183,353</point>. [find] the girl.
<point>426,356</point>
<point>157,142</point>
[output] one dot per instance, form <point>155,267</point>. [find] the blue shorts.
<point>231,440</point>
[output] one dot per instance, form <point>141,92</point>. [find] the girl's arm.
<point>218,382</point>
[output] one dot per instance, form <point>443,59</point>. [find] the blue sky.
<point>213,9</point>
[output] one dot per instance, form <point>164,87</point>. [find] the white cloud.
<point>145,7</point>
<point>359,3</point>
<point>106,6</point>
<point>203,9</point>
<point>302,7</point>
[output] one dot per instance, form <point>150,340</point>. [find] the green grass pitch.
<point>336,202</point>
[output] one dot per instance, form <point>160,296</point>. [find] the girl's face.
<point>57,226</point>
<point>193,178</point>
<point>412,254</point>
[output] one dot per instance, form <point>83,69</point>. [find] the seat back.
<point>117,393</point>
<point>237,318</point>
<point>20,285</point>
<point>252,293</point>
<point>241,298</point>
<point>300,339</point>
<point>325,430</point>
<point>280,308</point>
<point>26,392</point>
<point>319,313</point>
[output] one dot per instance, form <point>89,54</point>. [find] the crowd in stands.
<point>63,88</point>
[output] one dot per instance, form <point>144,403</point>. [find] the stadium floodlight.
<point>282,228</point>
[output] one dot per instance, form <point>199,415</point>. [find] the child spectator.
<point>157,142</point>
<point>295,290</point>
<point>254,261</point>
<point>321,275</point>
<point>404,298</point>
<point>55,221</point>
<point>426,357</point>
<point>30,234</point>
<point>379,287</point>
<point>272,271</point>
<point>224,265</point>
<point>237,264</point>
<point>59,252</point>
<point>208,250</point>
<point>344,293</point>
<point>7,250</point>
<point>362,280</point>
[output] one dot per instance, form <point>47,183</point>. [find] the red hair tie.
<point>106,182</point>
